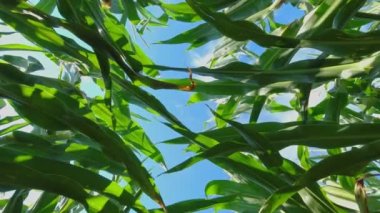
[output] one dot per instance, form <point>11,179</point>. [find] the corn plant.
<point>83,153</point>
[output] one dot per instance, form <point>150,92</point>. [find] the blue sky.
<point>190,183</point>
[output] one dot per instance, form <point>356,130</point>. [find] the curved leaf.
<point>195,205</point>
<point>219,150</point>
<point>85,178</point>
<point>348,163</point>
<point>268,155</point>
<point>281,135</point>
<point>49,108</point>
<point>240,30</point>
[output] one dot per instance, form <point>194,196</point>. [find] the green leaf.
<point>304,157</point>
<point>336,103</point>
<point>228,187</point>
<point>347,12</point>
<point>146,99</point>
<point>240,30</point>
<point>150,17</point>
<point>34,64</point>
<point>321,17</point>
<point>218,4</point>
<point>258,105</point>
<point>219,150</point>
<point>343,44</point>
<point>15,60</point>
<point>258,142</point>
<point>25,20</point>
<point>227,48</point>
<point>129,130</point>
<point>275,57</point>
<point>254,77</point>
<point>274,106</point>
<point>76,141</point>
<point>29,65</point>
<point>85,178</point>
<point>226,110</point>
<point>252,170</point>
<point>348,163</point>
<point>325,136</point>
<point>281,135</point>
<point>197,36</point>
<point>340,196</point>
<point>53,109</point>
<point>218,87</point>
<point>130,9</point>
<point>21,176</point>
<point>199,97</point>
<point>21,47</point>
<point>84,155</point>
<point>245,200</point>
<point>46,203</point>
<point>2,104</point>
<point>15,204</point>
<point>102,38</point>
<point>46,6</point>
<point>180,12</point>
<point>107,34</point>
<point>105,69</point>
<point>198,139</point>
<point>12,128</point>
<point>204,33</point>
<point>195,205</point>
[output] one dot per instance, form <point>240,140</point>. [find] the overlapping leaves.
<point>82,136</point>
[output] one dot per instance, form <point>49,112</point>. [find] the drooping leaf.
<point>258,142</point>
<point>30,64</point>
<point>43,34</point>
<point>240,30</point>
<point>197,36</point>
<point>219,150</point>
<point>195,204</point>
<point>53,109</point>
<point>130,131</point>
<point>22,176</point>
<point>256,77</point>
<point>348,163</point>
<point>146,99</point>
<point>85,178</point>
<point>245,201</point>
<point>325,136</point>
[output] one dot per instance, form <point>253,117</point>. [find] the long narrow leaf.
<point>85,178</point>
<point>348,163</point>
<point>258,142</point>
<point>49,107</point>
<point>240,30</point>
<point>220,150</point>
